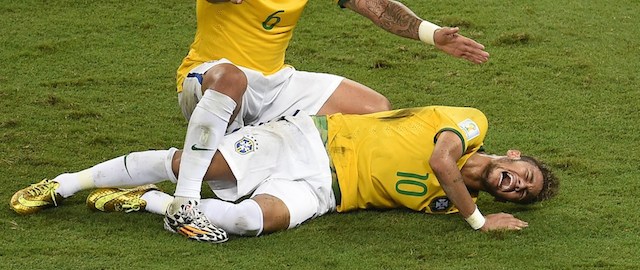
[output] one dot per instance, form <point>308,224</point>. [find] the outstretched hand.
<point>448,40</point>
<point>503,221</point>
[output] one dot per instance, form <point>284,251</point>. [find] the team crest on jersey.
<point>245,145</point>
<point>440,204</point>
<point>470,128</point>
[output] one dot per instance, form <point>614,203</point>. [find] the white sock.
<point>207,126</point>
<point>70,183</point>
<point>244,218</point>
<point>157,201</point>
<point>134,169</point>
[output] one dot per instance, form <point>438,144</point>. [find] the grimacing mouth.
<point>507,182</point>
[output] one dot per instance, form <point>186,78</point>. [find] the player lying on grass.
<point>235,74</point>
<point>277,175</point>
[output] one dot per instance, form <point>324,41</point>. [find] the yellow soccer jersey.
<point>382,159</point>
<point>254,34</point>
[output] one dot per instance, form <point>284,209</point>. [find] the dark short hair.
<point>550,183</point>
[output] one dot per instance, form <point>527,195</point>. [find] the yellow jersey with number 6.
<point>254,34</point>
<point>382,159</point>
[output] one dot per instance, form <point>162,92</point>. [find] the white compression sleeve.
<point>244,218</point>
<point>207,126</point>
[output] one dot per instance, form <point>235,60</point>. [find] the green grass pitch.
<point>84,81</point>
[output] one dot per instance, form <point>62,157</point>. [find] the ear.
<point>513,154</point>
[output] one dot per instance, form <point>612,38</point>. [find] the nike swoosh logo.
<point>29,203</point>
<point>196,148</point>
<point>105,199</point>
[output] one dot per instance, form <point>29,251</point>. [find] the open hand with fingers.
<point>451,42</point>
<point>503,221</point>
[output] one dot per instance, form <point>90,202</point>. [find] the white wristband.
<point>476,220</point>
<point>426,32</point>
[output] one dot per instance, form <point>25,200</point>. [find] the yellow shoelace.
<point>132,205</point>
<point>43,188</point>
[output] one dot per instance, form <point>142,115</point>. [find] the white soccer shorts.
<point>266,97</point>
<point>284,158</point>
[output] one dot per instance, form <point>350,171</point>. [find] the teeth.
<point>505,176</point>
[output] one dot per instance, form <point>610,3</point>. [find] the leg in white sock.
<point>208,123</point>
<point>134,169</point>
<point>244,218</point>
<point>157,201</point>
<point>207,126</point>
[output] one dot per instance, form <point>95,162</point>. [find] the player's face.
<point>513,179</point>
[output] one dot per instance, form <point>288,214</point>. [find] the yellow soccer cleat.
<point>119,199</point>
<point>36,197</point>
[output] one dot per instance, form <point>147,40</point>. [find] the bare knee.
<point>381,103</point>
<point>275,213</point>
<point>354,98</point>
<point>227,79</point>
<point>370,102</point>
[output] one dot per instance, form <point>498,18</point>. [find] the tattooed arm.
<point>389,15</point>
<point>398,19</point>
